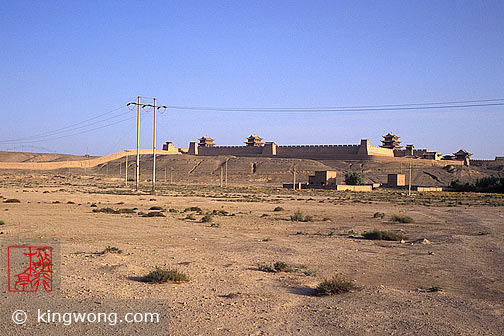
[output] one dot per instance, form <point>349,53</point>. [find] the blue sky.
<point>67,61</point>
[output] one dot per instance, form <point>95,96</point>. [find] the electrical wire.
<point>355,108</point>
<point>69,135</point>
<point>68,128</point>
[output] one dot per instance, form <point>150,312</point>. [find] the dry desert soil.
<point>445,278</point>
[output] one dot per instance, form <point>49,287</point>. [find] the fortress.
<point>255,147</point>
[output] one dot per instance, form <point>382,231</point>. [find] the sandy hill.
<point>39,157</point>
<point>248,170</point>
<point>201,169</point>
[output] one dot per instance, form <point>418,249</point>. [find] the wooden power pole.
<point>126,172</point>
<point>138,104</point>
<point>226,172</point>
<point>409,184</point>
<point>154,151</point>
<point>137,172</point>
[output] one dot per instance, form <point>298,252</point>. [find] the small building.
<point>431,155</point>
<point>391,141</point>
<point>463,155</point>
<point>322,179</point>
<point>168,145</point>
<point>396,180</point>
<point>254,141</point>
<point>206,141</point>
<point>409,150</point>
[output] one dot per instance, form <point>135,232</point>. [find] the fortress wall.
<point>230,150</point>
<point>82,163</point>
<point>379,151</point>
<point>320,151</point>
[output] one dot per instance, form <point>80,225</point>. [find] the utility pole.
<point>165,174</point>
<point>138,141</point>
<point>221,175</point>
<point>171,175</point>
<point>154,151</point>
<point>137,171</point>
<point>409,184</point>
<point>226,173</point>
<point>294,175</point>
<point>126,177</point>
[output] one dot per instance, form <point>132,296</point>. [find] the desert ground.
<point>445,278</point>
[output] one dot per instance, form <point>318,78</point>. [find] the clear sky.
<point>62,62</point>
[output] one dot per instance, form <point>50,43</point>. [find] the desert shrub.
<point>215,225</point>
<point>154,214</point>
<point>335,285</point>
<point>70,202</point>
<point>354,178</point>
<point>220,213</point>
<point>326,219</point>
<point>265,268</point>
<point>264,215</point>
<point>159,275</point>
<point>93,205</point>
<point>281,266</point>
<point>278,208</point>
<point>435,289</point>
<point>383,235</point>
<point>378,215</point>
<point>127,210</point>
<point>190,216</point>
<point>298,216</point>
<point>107,210</point>
<point>156,208</point>
<point>12,200</point>
<point>111,249</point>
<point>173,210</point>
<point>490,184</point>
<point>207,218</point>
<point>2,222</point>
<point>401,219</point>
<point>193,209</point>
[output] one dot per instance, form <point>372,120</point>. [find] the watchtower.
<point>254,141</point>
<point>391,141</point>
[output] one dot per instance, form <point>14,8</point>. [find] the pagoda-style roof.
<point>390,140</point>
<point>390,135</point>
<point>462,152</point>
<point>254,140</point>
<point>206,141</point>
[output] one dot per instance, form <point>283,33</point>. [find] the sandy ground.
<point>227,294</point>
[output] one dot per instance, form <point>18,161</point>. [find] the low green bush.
<point>335,285</point>
<point>383,235</point>
<point>159,275</point>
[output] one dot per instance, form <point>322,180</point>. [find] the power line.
<point>69,127</point>
<point>70,135</point>
<point>355,108</point>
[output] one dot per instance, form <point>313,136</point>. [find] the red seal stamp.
<point>30,268</point>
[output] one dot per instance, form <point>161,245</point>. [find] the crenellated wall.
<point>362,151</point>
<point>230,150</point>
<point>320,151</point>
<point>379,151</point>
